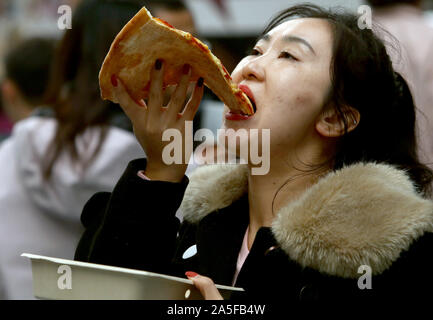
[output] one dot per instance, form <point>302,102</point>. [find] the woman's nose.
<point>253,70</point>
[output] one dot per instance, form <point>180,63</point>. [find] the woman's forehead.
<point>312,29</point>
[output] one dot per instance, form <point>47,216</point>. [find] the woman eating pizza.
<point>344,211</point>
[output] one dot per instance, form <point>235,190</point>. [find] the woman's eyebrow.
<point>289,38</point>
<point>299,40</point>
<point>265,37</point>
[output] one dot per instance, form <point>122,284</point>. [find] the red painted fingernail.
<point>114,80</point>
<point>158,64</point>
<point>185,68</point>
<point>140,103</point>
<point>191,274</point>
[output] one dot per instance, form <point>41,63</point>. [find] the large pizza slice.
<point>145,39</point>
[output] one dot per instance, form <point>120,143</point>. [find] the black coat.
<point>365,214</point>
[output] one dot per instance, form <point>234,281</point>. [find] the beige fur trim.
<point>361,214</point>
<point>213,187</point>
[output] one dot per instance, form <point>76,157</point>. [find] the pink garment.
<point>243,254</point>
<point>142,175</point>
<point>5,124</point>
<point>407,24</point>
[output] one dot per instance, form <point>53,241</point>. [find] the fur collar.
<point>363,214</point>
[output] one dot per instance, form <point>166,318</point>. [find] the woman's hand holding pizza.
<point>152,119</point>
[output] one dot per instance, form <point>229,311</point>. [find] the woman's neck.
<point>267,194</point>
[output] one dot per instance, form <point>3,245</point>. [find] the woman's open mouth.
<point>238,115</point>
<point>253,104</point>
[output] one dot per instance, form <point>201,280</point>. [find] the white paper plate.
<point>62,279</point>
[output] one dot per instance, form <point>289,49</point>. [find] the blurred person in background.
<point>174,12</point>
<point>5,123</point>
<point>51,165</point>
<point>27,71</point>
<point>413,59</point>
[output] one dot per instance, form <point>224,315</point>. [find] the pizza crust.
<point>143,40</point>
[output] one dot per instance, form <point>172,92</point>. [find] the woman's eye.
<point>287,55</point>
<point>254,52</point>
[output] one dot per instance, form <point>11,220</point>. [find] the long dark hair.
<point>73,90</point>
<point>363,78</point>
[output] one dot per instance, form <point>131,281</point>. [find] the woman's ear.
<point>330,123</point>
